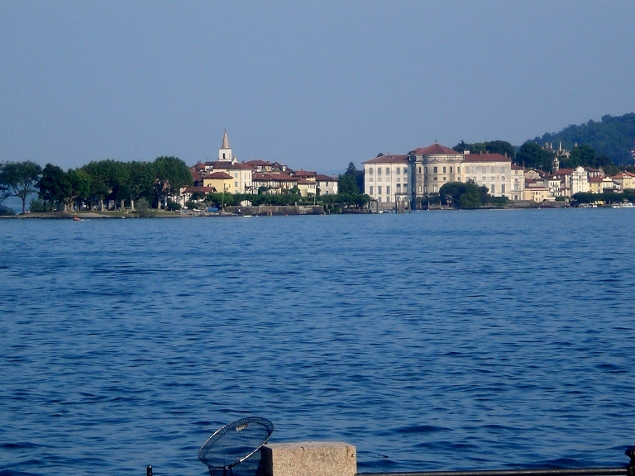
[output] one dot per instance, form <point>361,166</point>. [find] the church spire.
<point>225,141</point>
<point>225,152</point>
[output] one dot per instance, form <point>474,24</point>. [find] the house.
<point>602,185</point>
<point>517,182</point>
<point>220,182</point>
<point>624,180</point>
<point>327,185</point>
<point>536,191</point>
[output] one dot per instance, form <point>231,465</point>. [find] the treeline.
<point>534,156</point>
<point>612,136</point>
<point>94,183</point>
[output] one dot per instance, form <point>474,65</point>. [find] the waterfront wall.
<point>269,210</point>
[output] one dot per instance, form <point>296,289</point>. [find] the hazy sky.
<point>314,85</point>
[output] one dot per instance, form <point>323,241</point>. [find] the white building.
<point>494,171</point>
<point>387,180</point>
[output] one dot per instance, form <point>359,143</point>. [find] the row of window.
<point>405,179</point>
<point>387,188</point>
<point>398,170</point>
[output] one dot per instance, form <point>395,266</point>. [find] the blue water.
<point>431,340</point>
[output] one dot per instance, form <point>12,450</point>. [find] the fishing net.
<point>235,448</point>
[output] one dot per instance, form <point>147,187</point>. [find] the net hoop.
<point>258,430</point>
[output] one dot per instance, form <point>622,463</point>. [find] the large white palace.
<point>390,179</point>
<point>396,178</point>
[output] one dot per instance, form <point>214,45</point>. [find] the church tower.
<point>225,152</point>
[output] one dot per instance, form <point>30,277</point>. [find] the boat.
<point>76,218</point>
<point>623,205</point>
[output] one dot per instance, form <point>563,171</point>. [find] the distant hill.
<point>613,136</point>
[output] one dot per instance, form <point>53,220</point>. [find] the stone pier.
<point>309,459</point>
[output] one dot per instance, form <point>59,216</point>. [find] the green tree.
<point>171,174</point>
<point>141,180</point>
<point>583,155</point>
<point>79,181</point>
<point>493,147</point>
<point>463,195</point>
<point>531,155</point>
<point>347,184</point>
<point>19,179</point>
<point>54,185</point>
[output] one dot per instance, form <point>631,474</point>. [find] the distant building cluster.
<point>229,175</point>
<point>390,179</point>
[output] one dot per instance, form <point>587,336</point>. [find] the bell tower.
<point>225,152</point>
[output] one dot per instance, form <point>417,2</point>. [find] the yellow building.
<point>220,181</point>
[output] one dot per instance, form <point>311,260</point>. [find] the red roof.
<point>219,175</point>
<point>564,172</point>
<point>435,149</point>
<point>325,178</point>
<point>273,177</point>
<point>486,158</point>
<point>517,167</point>
<point>389,159</point>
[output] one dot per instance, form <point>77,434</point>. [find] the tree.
<point>171,174</point>
<point>493,147</point>
<point>141,181</point>
<point>583,155</point>
<point>531,155</point>
<point>53,185</point>
<point>19,179</point>
<point>79,182</point>
<point>463,195</point>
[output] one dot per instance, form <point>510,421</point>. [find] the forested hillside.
<point>613,136</point>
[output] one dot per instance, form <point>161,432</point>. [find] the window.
<point>420,169</point>
<point>387,170</point>
<point>450,169</point>
<point>387,189</point>
<point>236,184</point>
<point>398,188</point>
<point>379,190</point>
<point>370,171</point>
<point>503,188</point>
<point>378,170</point>
<point>370,190</point>
<point>444,171</point>
<point>434,170</point>
<point>492,188</point>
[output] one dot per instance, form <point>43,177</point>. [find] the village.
<point>403,181</point>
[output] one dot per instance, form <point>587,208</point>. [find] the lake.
<point>430,340</point>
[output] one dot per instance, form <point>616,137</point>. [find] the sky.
<point>311,84</point>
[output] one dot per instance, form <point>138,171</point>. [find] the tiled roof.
<point>326,178</point>
<point>564,172</point>
<point>517,167</point>
<point>239,166</point>
<point>435,149</point>
<point>273,177</point>
<point>486,158</point>
<point>219,175</point>
<point>388,159</point>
